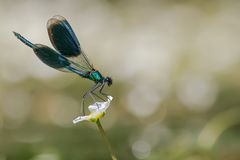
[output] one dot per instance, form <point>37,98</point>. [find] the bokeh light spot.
<point>46,156</point>
<point>197,93</point>
<point>143,101</point>
<point>141,149</point>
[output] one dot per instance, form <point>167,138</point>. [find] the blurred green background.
<point>175,66</point>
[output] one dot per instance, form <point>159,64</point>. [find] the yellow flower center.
<point>97,117</point>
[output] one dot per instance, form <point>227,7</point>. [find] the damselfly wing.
<point>65,41</point>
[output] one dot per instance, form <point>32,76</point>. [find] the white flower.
<point>97,111</point>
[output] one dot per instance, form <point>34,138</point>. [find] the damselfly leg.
<point>92,94</point>
<point>87,94</point>
<point>101,91</point>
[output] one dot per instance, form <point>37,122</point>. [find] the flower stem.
<point>101,130</point>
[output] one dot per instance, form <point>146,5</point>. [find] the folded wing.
<point>62,37</point>
<point>65,41</point>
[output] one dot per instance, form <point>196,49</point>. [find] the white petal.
<point>92,107</point>
<point>102,106</point>
<point>97,110</point>
<point>81,118</point>
<point>110,98</point>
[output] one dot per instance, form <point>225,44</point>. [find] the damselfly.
<point>68,55</point>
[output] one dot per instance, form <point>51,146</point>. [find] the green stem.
<point>101,130</point>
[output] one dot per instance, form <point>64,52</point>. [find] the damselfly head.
<point>108,80</point>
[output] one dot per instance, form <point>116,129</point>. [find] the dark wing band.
<point>56,60</point>
<point>50,57</point>
<point>62,37</point>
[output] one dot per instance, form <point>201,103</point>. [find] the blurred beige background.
<point>175,66</point>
